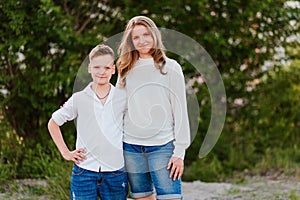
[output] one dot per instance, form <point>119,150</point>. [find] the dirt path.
<point>259,188</point>
<point>255,188</point>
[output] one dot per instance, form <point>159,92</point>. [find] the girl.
<point>156,126</point>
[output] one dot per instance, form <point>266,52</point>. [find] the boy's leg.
<point>83,184</point>
<point>114,185</point>
<point>158,160</point>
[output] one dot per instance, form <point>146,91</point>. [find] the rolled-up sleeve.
<point>67,113</point>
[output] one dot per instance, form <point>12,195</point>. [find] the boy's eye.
<point>101,67</point>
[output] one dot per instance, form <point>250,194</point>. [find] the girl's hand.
<point>176,166</point>
<point>63,105</point>
<point>76,156</point>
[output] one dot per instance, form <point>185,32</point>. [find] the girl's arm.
<point>179,109</point>
<point>181,120</point>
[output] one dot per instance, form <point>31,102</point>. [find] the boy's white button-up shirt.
<point>99,127</point>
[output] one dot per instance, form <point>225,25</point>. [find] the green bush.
<point>207,169</point>
<point>277,161</point>
<point>259,137</point>
<point>11,150</point>
<point>59,182</point>
<point>41,162</point>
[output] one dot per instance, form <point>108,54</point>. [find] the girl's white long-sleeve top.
<point>157,106</point>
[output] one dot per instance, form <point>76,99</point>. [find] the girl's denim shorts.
<point>147,171</point>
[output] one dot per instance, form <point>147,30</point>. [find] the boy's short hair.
<point>101,50</point>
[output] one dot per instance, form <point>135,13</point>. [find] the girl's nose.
<point>142,39</point>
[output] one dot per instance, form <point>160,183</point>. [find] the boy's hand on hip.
<point>176,166</point>
<point>76,156</point>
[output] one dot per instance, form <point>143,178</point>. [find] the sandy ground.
<point>254,188</point>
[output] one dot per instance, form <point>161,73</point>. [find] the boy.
<point>98,109</point>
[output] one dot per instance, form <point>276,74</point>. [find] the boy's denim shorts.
<point>89,185</point>
<point>147,166</point>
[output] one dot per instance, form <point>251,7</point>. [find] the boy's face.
<point>101,69</point>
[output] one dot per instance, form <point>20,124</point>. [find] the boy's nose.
<point>101,70</point>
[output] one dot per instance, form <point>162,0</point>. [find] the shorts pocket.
<point>119,172</point>
<point>77,171</point>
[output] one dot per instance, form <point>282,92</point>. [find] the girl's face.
<point>142,40</point>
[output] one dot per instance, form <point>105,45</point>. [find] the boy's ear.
<point>89,68</point>
<point>113,69</point>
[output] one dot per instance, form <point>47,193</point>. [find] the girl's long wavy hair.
<point>128,55</point>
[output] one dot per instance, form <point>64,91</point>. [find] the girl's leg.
<point>151,197</point>
<point>166,187</point>
<point>138,172</point>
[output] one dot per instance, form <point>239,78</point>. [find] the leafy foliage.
<point>44,42</point>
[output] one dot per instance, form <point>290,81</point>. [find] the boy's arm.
<point>76,155</point>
